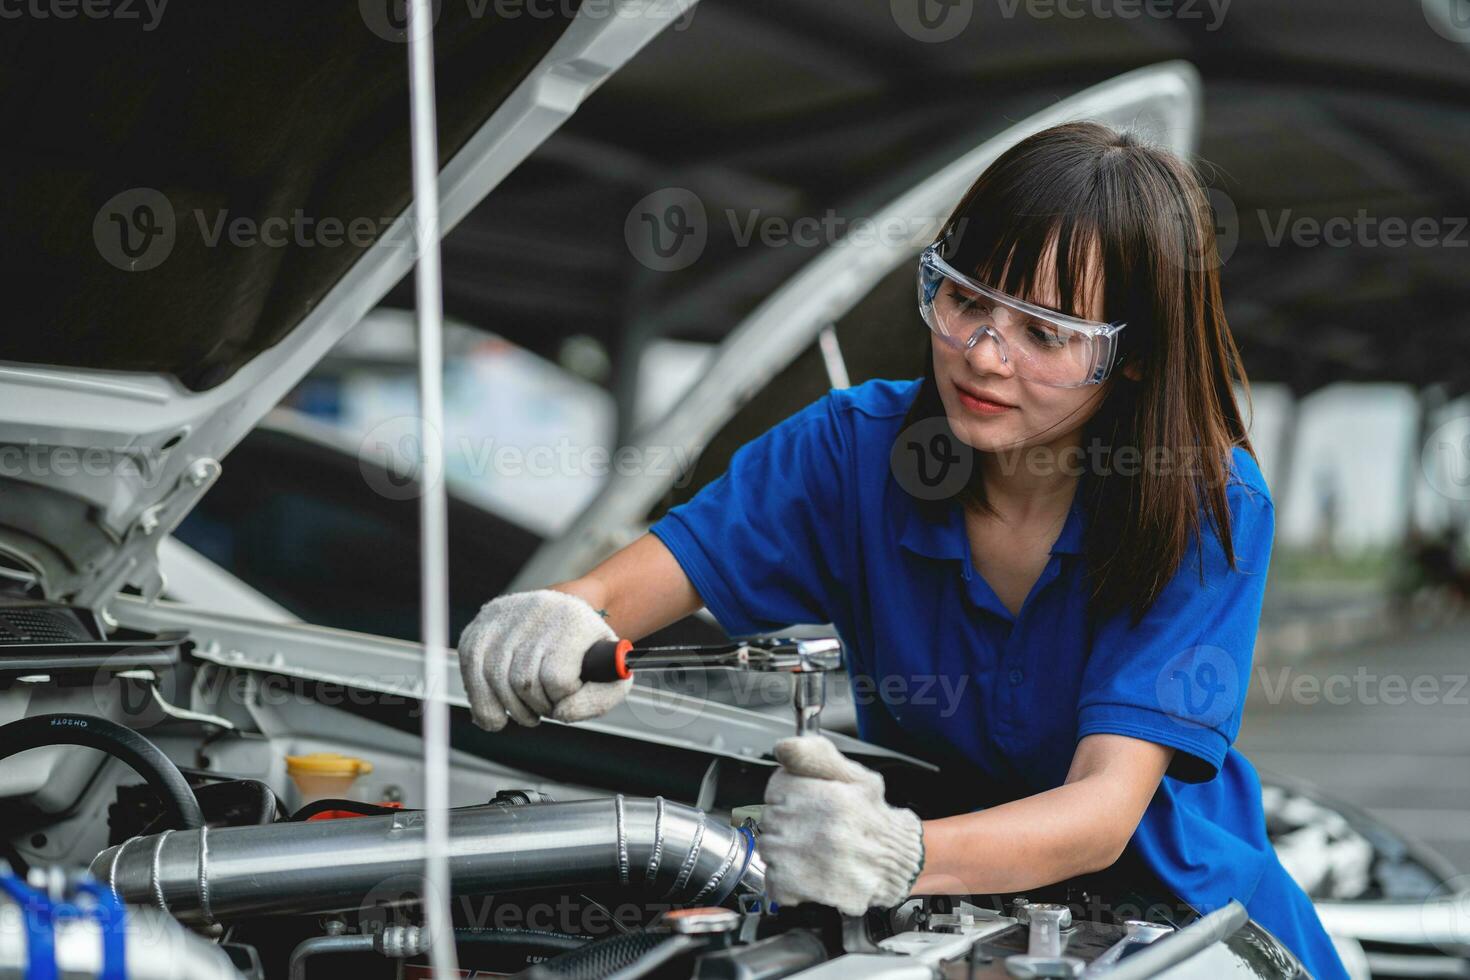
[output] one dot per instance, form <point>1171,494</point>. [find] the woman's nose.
<point>986,353</point>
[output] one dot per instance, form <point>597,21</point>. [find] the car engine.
<point>186,795</point>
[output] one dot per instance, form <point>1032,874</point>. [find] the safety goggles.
<point>1039,344</point>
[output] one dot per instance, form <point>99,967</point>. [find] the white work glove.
<point>827,835</point>
<point>521,659</point>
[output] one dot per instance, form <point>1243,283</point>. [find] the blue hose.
<point>40,916</point>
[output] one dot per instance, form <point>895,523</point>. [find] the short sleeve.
<point>1179,677</point>
<point>764,545</point>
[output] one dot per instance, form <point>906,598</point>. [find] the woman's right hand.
<point>521,659</point>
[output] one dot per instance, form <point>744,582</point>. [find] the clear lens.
<point>1053,351</point>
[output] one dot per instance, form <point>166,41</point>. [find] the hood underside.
<point>200,201</point>
<point>183,187</point>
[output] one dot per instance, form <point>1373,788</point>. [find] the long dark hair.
<point>1107,202</point>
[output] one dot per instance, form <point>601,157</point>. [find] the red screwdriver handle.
<point>607,660</point>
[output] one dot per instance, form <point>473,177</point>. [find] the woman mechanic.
<point>1063,518</point>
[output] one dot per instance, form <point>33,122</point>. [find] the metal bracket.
<point>138,554</point>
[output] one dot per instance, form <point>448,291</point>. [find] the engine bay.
<point>249,795</point>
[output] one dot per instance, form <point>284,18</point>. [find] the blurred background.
<point>591,293</point>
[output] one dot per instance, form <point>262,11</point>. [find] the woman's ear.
<point>1131,369</point>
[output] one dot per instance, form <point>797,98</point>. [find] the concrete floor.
<point>1382,725</point>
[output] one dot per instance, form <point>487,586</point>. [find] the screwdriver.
<point>614,660</point>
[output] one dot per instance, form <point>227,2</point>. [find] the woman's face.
<point>991,409</point>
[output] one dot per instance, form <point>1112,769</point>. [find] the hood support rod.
<point>433,529</point>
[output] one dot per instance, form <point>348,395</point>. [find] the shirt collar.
<point>926,533</point>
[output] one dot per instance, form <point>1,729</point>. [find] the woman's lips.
<point>981,404</point>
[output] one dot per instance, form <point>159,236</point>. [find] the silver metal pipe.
<point>394,942</point>
<point>1443,921</point>
<point>155,948</point>
<point>1170,950</point>
<point>1137,933</point>
<point>433,502</point>
<point>321,945</point>
<point>675,852</point>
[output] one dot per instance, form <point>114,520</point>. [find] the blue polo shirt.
<point>810,525</point>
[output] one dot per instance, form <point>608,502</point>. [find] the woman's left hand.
<point>827,835</point>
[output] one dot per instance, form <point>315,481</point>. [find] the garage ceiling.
<point>1313,110</point>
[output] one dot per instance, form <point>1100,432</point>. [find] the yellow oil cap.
<point>329,764</point>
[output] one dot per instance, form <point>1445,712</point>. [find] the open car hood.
<point>192,224</point>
